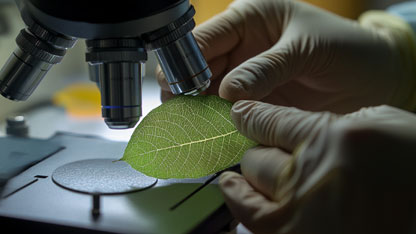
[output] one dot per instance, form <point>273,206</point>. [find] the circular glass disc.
<point>101,176</point>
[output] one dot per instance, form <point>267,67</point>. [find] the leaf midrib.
<point>190,143</point>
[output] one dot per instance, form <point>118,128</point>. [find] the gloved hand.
<point>293,54</point>
<point>351,173</point>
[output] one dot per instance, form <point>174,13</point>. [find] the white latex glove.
<point>293,54</point>
<point>352,173</point>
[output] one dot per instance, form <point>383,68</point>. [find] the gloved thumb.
<point>257,77</point>
<point>278,126</point>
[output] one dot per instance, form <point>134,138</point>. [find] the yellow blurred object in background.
<point>205,9</point>
<point>81,100</point>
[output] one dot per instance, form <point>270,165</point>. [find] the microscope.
<point>118,36</point>
<point>76,183</point>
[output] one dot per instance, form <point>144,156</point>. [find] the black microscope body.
<point>118,35</point>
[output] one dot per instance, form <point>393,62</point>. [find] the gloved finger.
<point>265,168</point>
<point>161,79</point>
<point>255,211</point>
<point>259,76</point>
<point>213,88</point>
<point>218,35</point>
<point>284,127</point>
<point>166,95</point>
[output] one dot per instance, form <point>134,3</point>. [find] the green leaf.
<point>186,137</point>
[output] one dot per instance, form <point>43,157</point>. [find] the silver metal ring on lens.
<point>184,65</point>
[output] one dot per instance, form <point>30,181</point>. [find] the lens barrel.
<point>179,56</point>
<point>116,65</point>
<point>38,50</point>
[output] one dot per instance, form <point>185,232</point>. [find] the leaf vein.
<point>190,143</point>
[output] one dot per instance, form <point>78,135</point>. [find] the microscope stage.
<point>47,196</point>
